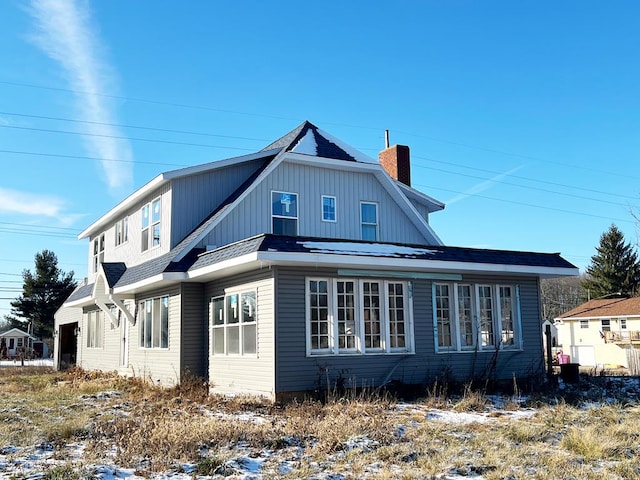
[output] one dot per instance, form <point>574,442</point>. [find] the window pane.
<point>371,314</point>
<point>155,211</point>
<point>506,314</point>
<point>329,209</point>
<point>155,341</point>
<point>145,216</point>
<point>249,339</point>
<point>125,229</point>
<point>148,319</point>
<point>144,239</point>
<point>369,232</point>
<point>233,339</point>
<point>396,315</point>
<point>156,235</point>
<point>369,213</point>
<point>486,315</point>
<point>164,340</point>
<point>284,204</point>
<point>465,310</point>
<point>285,226</point>
<point>218,311</point>
<point>249,307</point>
<point>233,312</point>
<point>319,314</point>
<point>346,315</point>
<point>443,315</point>
<point>218,341</point>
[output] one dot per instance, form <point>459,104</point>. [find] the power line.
<point>154,129</point>
<point>122,137</point>
<point>40,226</point>
<point>42,154</point>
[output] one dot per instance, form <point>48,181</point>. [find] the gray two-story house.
<point>295,267</point>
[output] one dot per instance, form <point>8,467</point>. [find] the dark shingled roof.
<point>81,292</point>
<point>325,147</point>
<point>113,272</point>
<point>605,307</point>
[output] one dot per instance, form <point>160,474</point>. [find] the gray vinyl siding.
<point>298,372</point>
<point>253,215</point>
<point>194,330</point>
<point>422,209</point>
<point>252,374</point>
<point>131,252</point>
<point>158,364</point>
<point>196,196</point>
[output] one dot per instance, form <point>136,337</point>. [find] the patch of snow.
<point>307,144</point>
<point>370,249</point>
<point>38,362</point>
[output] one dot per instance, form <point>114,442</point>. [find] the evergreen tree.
<point>43,292</point>
<point>614,268</point>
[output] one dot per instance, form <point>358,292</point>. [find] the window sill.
<point>357,354</point>
<point>486,350</point>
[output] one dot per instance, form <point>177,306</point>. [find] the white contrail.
<point>65,33</point>
<point>482,186</point>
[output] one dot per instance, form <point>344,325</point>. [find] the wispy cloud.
<point>34,205</point>
<point>64,31</point>
<point>482,186</point>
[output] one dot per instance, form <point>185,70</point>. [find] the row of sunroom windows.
<point>349,316</point>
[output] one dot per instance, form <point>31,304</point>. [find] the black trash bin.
<point>569,372</point>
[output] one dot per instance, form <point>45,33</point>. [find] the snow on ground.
<point>39,362</point>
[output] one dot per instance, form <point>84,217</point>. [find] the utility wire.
<point>42,154</point>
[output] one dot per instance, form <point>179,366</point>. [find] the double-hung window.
<point>346,316</point>
<point>95,329</point>
<point>151,215</point>
<point>622,322</point>
<point>605,324</point>
<point>233,322</point>
<point>122,231</point>
<point>154,322</point>
<point>284,213</point>
<point>328,208</point>
<point>476,317</point>
<point>584,324</point>
<point>98,252</point>
<point>369,221</point>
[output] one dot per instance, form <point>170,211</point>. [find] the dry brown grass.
<point>153,429</point>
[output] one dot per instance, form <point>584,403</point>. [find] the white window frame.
<point>122,231</point>
<point>247,322</point>
<point>98,251</point>
<point>607,327</point>
<point>496,333</point>
<point>364,224</point>
<point>95,329</point>
<point>334,212</point>
<point>584,324</point>
<point>622,323</point>
<point>384,307</point>
<point>284,217</point>
<point>154,322</point>
<point>150,224</point>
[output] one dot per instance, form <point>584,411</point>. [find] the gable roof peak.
<point>308,139</point>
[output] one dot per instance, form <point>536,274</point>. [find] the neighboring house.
<point>601,332</point>
<point>300,266</point>
<point>15,342</point>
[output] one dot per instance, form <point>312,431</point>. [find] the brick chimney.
<point>396,161</point>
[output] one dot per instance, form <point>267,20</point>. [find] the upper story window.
<point>584,323</point>
<point>284,213</point>
<point>623,323</point>
<point>476,317</point>
<point>154,324</point>
<point>358,317</point>
<point>369,220</point>
<point>151,225</point>
<point>122,231</point>
<point>98,252</point>
<point>606,325</point>
<point>234,324</point>
<point>328,208</point>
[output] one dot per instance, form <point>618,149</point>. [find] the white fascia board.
<point>226,264</point>
<point>421,197</point>
<point>147,283</point>
<point>81,302</point>
<point>601,317</point>
<point>409,264</point>
<point>160,180</point>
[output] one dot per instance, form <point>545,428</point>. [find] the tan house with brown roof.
<point>601,333</point>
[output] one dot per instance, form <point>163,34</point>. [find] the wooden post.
<point>547,334</point>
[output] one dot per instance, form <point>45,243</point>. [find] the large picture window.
<point>95,329</point>
<point>476,317</point>
<point>233,322</point>
<point>154,322</point>
<point>346,316</point>
<point>151,216</point>
<point>284,213</point>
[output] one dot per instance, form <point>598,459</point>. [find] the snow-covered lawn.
<point>430,438</point>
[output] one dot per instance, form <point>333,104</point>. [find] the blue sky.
<point>522,117</point>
